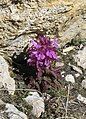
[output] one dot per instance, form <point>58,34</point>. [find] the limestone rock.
<point>14,113</point>
<point>80,58</point>
<point>84,83</point>
<point>73,30</point>
<point>37,102</point>
<point>5,79</point>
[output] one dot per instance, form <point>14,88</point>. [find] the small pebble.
<point>77,75</point>
<point>70,78</point>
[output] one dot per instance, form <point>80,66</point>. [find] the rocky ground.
<point>23,19</point>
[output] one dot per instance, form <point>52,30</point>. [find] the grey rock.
<point>5,80</point>
<point>14,113</point>
<point>84,83</point>
<point>36,102</point>
<point>80,58</point>
<point>73,30</point>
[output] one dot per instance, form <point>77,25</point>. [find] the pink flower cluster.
<point>43,52</point>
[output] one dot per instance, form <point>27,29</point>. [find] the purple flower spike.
<point>42,52</point>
